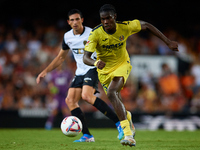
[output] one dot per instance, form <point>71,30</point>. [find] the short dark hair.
<point>75,11</point>
<point>108,7</point>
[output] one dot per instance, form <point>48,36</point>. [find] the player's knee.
<point>69,101</point>
<point>111,94</point>
<point>86,97</point>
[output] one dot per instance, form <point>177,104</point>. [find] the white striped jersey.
<point>77,44</point>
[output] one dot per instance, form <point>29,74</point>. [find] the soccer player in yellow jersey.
<point>113,62</point>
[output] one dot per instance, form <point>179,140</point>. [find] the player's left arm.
<point>147,26</point>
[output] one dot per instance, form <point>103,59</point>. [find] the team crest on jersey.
<point>84,42</point>
<point>121,38</point>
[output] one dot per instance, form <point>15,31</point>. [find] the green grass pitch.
<point>106,139</point>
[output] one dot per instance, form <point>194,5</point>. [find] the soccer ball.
<point>71,126</point>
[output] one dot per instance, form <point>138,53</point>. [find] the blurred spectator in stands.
<point>10,43</point>
<point>195,103</point>
<point>169,81</point>
<point>170,90</point>
<point>58,83</point>
<point>2,43</point>
<point>33,45</point>
<point>3,60</point>
<point>43,54</point>
<point>26,98</point>
<point>173,103</point>
<point>37,102</point>
<point>128,94</point>
<point>1,95</point>
<point>8,101</point>
<point>187,82</point>
<point>51,36</point>
<point>195,72</point>
<point>147,98</point>
<point>163,49</point>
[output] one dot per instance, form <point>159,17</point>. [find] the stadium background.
<point>31,33</point>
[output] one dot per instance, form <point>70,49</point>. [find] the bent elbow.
<point>61,59</point>
<point>144,25</point>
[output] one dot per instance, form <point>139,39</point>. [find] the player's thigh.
<point>105,80</point>
<point>116,85</point>
<point>119,77</point>
<point>90,85</point>
<point>88,90</point>
<point>88,94</point>
<point>113,92</point>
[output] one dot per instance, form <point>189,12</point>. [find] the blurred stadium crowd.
<point>25,50</point>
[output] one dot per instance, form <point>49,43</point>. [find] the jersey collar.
<point>81,33</point>
<point>109,33</point>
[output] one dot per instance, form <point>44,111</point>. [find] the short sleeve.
<point>64,45</point>
<point>134,26</point>
<point>91,44</point>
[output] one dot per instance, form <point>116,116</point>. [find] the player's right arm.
<point>57,61</point>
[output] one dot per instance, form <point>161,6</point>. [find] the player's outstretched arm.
<point>147,26</point>
<point>57,61</point>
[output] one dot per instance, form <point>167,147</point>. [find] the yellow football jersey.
<point>111,48</point>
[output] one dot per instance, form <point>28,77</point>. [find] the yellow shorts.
<point>122,71</point>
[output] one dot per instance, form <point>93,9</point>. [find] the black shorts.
<point>90,78</point>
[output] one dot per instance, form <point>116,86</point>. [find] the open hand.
<point>40,76</point>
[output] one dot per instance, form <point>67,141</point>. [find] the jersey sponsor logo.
<point>78,50</point>
<point>118,45</point>
<point>121,38</point>
<point>87,79</point>
<point>73,78</point>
